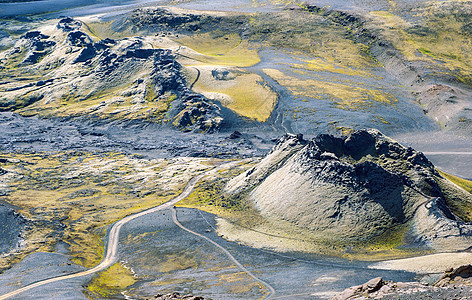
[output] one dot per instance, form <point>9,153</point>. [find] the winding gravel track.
<point>271,290</point>
<point>111,255</point>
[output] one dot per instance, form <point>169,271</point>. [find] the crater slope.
<point>358,188</point>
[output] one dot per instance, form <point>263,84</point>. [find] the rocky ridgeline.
<point>74,67</point>
<point>358,187</point>
<point>442,96</point>
<point>165,20</point>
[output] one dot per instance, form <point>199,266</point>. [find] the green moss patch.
<point>111,282</point>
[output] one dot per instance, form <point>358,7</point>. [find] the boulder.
<point>459,276</point>
<point>361,291</point>
<point>177,296</point>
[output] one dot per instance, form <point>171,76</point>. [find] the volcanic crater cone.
<point>358,187</point>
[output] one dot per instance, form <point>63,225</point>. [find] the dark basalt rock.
<point>329,143</point>
<point>177,296</point>
<point>32,57</point>
<point>37,45</point>
<point>235,135</point>
<point>222,74</point>
<point>37,35</point>
<point>164,18</point>
<point>87,53</point>
<point>166,21</point>
<point>78,38</point>
<point>185,120</point>
<point>69,24</point>
<point>370,175</point>
<point>139,53</point>
<point>359,143</point>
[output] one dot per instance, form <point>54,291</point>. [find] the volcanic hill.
<point>357,188</point>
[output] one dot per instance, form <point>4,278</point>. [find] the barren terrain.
<point>347,126</point>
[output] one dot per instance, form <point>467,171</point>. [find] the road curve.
<point>446,153</point>
<point>270,289</point>
<point>113,236</point>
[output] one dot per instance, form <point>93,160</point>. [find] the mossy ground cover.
<point>440,36</point>
<point>463,183</point>
<point>247,94</point>
<point>220,48</point>
<point>344,95</point>
<point>209,196</point>
<point>325,41</point>
<point>74,196</point>
<point>109,283</point>
<point>109,104</point>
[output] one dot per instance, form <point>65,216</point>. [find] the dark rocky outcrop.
<point>87,53</point>
<point>37,44</point>
<point>126,70</point>
<point>235,135</point>
<point>177,296</point>
<point>161,18</point>
<point>357,186</point>
<point>455,277</point>
<point>222,74</point>
<point>78,38</point>
<point>68,24</point>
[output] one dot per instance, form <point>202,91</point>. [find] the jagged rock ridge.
<point>356,187</point>
<point>80,76</point>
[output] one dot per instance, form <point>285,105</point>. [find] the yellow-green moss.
<point>435,37</point>
<point>343,95</point>
<point>110,282</point>
<point>221,49</point>
<point>463,183</point>
<point>87,192</point>
<point>246,94</point>
<point>459,202</point>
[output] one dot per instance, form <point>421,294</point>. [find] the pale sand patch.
<point>325,295</point>
<point>434,263</point>
<point>257,237</point>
